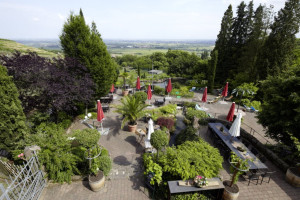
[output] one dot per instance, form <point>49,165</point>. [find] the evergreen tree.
<point>278,49</point>
<point>12,119</point>
<point>222,44</point>
<point>80,41</point>
<point>238,39</point>
<point>212,70</point>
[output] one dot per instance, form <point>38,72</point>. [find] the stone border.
<point>257,144</point>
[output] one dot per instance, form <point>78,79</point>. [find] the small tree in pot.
<point>159,139</point>
<point>99,165</point>
<point>131,108</point>
<point>238,167</point>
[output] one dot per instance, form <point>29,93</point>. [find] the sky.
<point>120,19</point>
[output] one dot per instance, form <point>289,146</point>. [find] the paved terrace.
<point>126,178</point>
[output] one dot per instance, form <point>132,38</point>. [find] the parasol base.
<point>103,131</point>
<point>168,98</point>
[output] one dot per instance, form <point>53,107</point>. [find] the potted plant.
<point>124,75</point>
<point>292,175</point>
<point>89,138</point>
<point>238,167</point>
<point>131,108</point>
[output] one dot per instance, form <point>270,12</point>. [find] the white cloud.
<point>36,19</point>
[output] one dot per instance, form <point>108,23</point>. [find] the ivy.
<point>152,167</point>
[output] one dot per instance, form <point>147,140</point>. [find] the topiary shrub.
<point>104,163</point>
<point>166,122</point>
<point>141,95</point>
<point>190,159</point>
<point>159,139</point>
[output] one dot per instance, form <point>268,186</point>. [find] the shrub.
<point>166,122</point>
<point>191,113</point>
<point>104,163</point>
<point>194,196</point>
<point>190,159</point>
<point>183,91</point>
<point>152,167</point>
<point>188,134</point>
<point>141,95</point>
<point>169,109</point>
<point>189,104</point>
<point>159,90</point>
<point>159,139</point>
<point>176,85</point>
<point>56,155</point>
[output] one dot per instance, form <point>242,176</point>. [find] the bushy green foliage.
<point>141,95</point>
<point>193,196</point>
<point>12,119</point>
<point>280,111</point>
<point>183,92</point>
<point>238,167</point>
<point>152,167</point>
<point>104,164</point>
<point>94,115</point>
<point>188,134</point>
<point>190,159</point>
<point>159,139</point>
<point>87,137</point>
<point>191,113</point>
<point>189,104</point>
<point>159,90</point>
<point>168,110</point>
<point>55,155</point>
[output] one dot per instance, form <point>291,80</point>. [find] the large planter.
<point>230,193</point>
<point>97,182</point>
<point>292,178</point>
<point>132,128</point>
<point>125,92</point>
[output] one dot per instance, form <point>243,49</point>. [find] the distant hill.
<point>7,47</point>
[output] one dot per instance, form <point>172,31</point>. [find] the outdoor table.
<point>159,101</point>
<point>105,108</point>
<point>232,143</point>
<point>175,188</point>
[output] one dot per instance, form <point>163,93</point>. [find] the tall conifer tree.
<point>222,44</point>
<point>278,50</point>
<point>80,41</point>
<point>12,119</point>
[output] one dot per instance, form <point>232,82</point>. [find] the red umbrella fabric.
<point>225,91</point>
<point>204,97</point>
<point>138,84</point>
<point>169,86</point>
<point>100,114</point>
<point>149,93</point>
<point>231,113</point>
<point>112,89</point>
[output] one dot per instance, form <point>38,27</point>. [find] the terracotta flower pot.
<point>132,128</point>
<point>97,182</point>
<point>230,193</point>
<point>125,92</point>
<point>292,178</point>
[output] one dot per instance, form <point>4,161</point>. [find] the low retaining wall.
<point>257,144</point>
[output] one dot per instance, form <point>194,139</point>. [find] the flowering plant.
<point>200,181</point>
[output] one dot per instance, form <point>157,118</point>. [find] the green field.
<point>7,47</point>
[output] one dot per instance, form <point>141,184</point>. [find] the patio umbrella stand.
<point>100,117</point>
<point>224,94</point>
<point>169,89</point>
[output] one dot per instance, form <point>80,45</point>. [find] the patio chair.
<point>247,108</point>
<point>253,109</point>
<point>253,175</point>
<point>193,89</point>
<point>228,98</point>
<point>267,174</point>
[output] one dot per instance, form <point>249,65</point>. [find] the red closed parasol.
<point>112,89</point>
<point>100,114</point>
<point>138,84</point>
<point>204,97</point>
<point>231,113</point>
<point>225,91</point>
<point>169,86</point>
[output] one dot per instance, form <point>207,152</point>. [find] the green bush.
<point>141,95</point>
<point>87,137</point>
<point>188,134</point>
<point>159,90</point>
<point>104,163</point>
<point>189,104</point>
<point>152,167</point>
<point>191,113</point>
<point>193,196</point>
<point>159,139</point>
<point>176,85</point>
<point>56,153</point>
<point>190,159</point>
<point>94,115</point>
<point>169,109</point>
<point>164,111</point>
<point>183,92</point>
